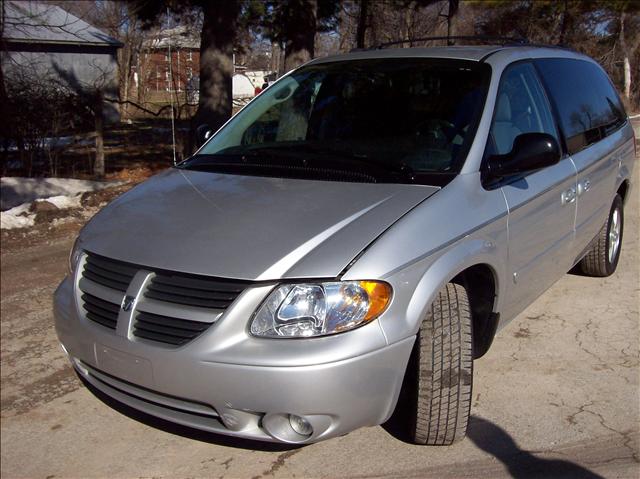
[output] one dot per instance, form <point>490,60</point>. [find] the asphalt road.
<point>556,396</point>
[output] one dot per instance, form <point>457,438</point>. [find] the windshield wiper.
<point>400,172</point>
<point>299,157</point>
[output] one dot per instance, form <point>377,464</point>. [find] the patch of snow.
<point>62,221</point>
<point>15,191</point>
<point>17,217</point>
<point>63,202</point>
<point>20,209</point>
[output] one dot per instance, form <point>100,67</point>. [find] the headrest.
<point>503,109</point>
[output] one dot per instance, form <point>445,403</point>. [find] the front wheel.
<point>443,359</point>
<point>602,258</point>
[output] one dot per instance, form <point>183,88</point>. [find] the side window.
<point>521,107</point>
<point>588,106</point>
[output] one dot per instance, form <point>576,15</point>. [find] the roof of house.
<point>38,23</point>
<point>177,37</point>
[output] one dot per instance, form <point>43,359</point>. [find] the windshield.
<point>380,120</point>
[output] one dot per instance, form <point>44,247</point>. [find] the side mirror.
<point>203,133</point>
<point>531,151</point>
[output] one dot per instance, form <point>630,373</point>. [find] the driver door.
<point>542,204</point>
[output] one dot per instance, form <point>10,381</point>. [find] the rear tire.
<point>602,258</point>
<point>443,359</point>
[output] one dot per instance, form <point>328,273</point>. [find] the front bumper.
<point>228,382</point>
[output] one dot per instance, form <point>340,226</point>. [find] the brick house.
<point>169,61</point>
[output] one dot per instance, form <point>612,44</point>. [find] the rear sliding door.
<point>590,114</point>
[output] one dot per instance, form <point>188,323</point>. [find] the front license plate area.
<point>124,366</point>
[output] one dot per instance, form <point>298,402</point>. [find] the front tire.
<point>602,258</point>
<point>443,359</point>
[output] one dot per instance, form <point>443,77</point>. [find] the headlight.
<point>317,309</point>
<point>74,256</point>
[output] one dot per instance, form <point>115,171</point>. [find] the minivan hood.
<point>247,227</point>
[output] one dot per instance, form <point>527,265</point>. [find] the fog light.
<point>300,425</point>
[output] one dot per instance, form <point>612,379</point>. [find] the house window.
<point>190,56</point>
<point>189,73</point>
<point>166,56</point>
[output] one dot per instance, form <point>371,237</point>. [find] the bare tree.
<point>629,47</point>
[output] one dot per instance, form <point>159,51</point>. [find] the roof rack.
<point>451,40</point>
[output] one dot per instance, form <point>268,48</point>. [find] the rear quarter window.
<point>588,106</point>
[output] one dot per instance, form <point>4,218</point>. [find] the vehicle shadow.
<point>185,431</point>
<point>494,440</point>
<point>520,463</point>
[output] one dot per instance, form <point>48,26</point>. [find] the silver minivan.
<point>362,228</point>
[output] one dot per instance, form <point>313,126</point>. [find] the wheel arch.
<point>474,265</point>
<point>623,190</point>
<point>479,281</point>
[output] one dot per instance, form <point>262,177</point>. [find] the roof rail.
<point>451,39</point>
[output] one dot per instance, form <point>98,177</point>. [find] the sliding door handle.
<point>568,196</point>
<point>584,186</point>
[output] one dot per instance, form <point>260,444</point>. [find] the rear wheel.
<point>602,258</point>
<point>442,357</point>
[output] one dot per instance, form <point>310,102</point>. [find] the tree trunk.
<point>301,31</point>
<point>627,78</point>
<point>125,77</point>
<point>216,63</point>
<point>453,9</point>
<point>362,24</point>
<point>563,24</point>
<point>98,166</point>
<point>627,63</point>
<point>274,64</point>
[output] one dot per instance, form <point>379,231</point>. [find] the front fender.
<point>416,286</point>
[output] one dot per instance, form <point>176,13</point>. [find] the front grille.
<point>167,330</point>
<point>194,290</point>
<point>108,272</point>
<point>168,297</point>
<point>100,311</point>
